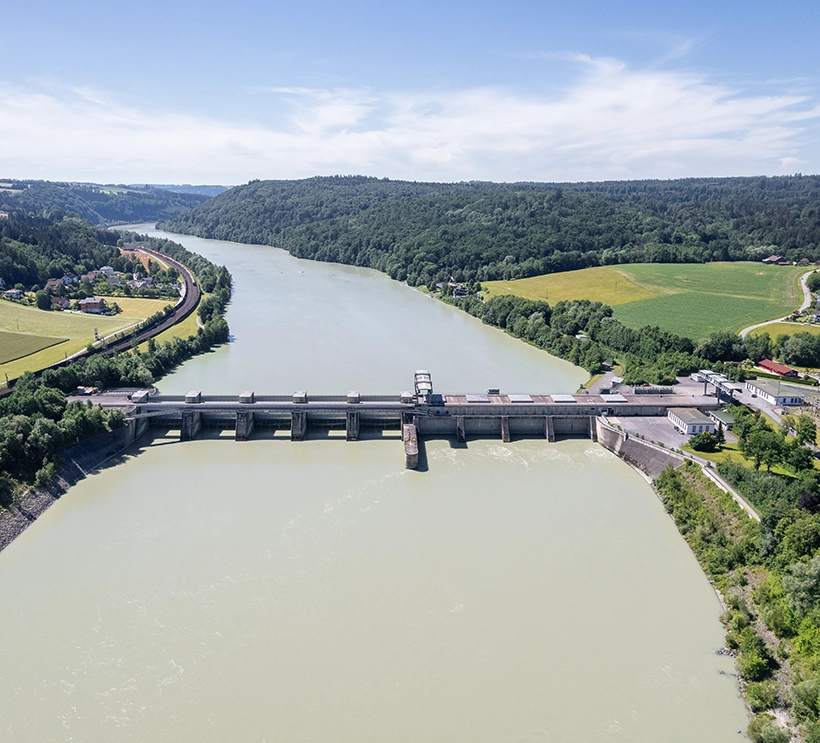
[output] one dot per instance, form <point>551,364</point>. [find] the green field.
<point>691,299</point>
<point>786,328</point>
<point>17,345</point>
<point>77,330</point>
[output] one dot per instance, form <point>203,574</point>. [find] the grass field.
<point>602,284</point>
<point>181,330</point>
<point>692,299</point>
<point>787,328</point>
<point>76,329</point>
<point>17,345</point>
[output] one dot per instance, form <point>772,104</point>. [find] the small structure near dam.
<point>414,414</point>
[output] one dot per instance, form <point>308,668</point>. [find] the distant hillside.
<point>101,205</point>
<point>208,191</point>
<point>428,232</point>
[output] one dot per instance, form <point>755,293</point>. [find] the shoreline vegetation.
<point>40,432</point>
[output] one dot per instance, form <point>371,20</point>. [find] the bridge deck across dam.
<point>416,414</point>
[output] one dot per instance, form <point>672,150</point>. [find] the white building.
<point>691,421</point>
<point>775,392</point>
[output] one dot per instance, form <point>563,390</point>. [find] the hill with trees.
<point>427,233</point>
<point>101,205</point>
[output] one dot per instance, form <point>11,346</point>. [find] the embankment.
<point>650,460</point>
<point>77,462</point>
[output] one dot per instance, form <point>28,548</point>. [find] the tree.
<point>43,300</point>
<point>764,447</point>
<point>805,429</point>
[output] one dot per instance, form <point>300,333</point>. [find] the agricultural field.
<point>17,345</point>
<point>786,328</point>
<point>70,332</point>
<point>691,299</point>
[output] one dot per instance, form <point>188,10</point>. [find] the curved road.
<point>804,306</point>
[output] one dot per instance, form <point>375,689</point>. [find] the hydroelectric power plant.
<point>417,413</point>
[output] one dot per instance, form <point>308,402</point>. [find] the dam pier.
<point>412,414</point>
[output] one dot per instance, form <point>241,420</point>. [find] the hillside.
<point>101,205</point>
<point>428,232</point>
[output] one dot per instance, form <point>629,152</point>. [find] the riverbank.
<point>78,461</point>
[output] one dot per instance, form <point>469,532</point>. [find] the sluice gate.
<point>413,415</point>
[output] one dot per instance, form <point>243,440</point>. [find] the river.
<point>318,591</point>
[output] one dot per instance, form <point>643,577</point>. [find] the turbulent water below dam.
<point>318,591</point>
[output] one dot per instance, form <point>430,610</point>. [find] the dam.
<point>412,414</point>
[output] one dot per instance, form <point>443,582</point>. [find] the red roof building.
<point>775,367</point>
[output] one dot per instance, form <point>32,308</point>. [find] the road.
<point>804,306</point>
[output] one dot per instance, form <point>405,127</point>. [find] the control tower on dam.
<point>414,414</point>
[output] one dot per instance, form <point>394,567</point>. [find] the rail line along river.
<point>318,591</point>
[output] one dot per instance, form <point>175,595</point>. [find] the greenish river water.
<point>317,591</point>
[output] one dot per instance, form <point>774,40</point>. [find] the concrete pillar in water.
<point>244,425</point>
<point>411,446</point>
<point>461,434</point>
<point>141,426</point>
<point>505,429</point>
<point>298,425</point>
<point>550,429</point>
<point>191,423</point>
<point>593,428</point>
<point>352,425</point>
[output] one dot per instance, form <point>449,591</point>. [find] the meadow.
<point>16,345</point>
<point>67,332</point>
<point>786,328</point>
<point>691,299</point>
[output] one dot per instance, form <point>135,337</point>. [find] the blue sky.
<point>227,92</point>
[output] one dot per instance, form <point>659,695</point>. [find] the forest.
<point>426,233</point>
<point>100,205</point>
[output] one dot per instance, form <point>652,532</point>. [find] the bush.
<point>761,695</point>
<point>45,474</point>
<point>763,730</point>
<point>807,699</point>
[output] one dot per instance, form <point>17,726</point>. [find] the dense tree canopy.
<point>97,204</point>
<point>429,232</point>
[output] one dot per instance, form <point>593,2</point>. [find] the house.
<point>113,280</point>
<point>775,367</point>
<point>775,392</point>
<point>92,305</point>
<point>803,262</point>
<point>70,278</point>
<point>90,277</point>
<point>721,417</point>
<point>13,294</point>
<point>60,302</point>
<point>107,270</point>
<point>772,259</point>
<point>54,283</point>
<point>691,421</point>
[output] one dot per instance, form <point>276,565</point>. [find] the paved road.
<point>804,306</point>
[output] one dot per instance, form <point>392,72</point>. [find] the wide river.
<point>318,591</point>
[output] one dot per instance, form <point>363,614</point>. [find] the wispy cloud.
<point>611,122</point>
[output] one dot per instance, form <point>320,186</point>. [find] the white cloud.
<point>613,122</point>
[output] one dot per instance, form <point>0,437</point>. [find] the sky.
<point>223,93</point>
